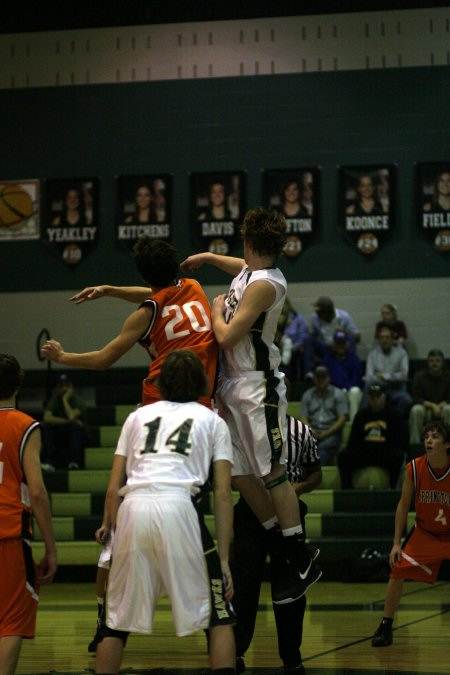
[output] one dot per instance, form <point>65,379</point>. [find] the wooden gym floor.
<point>339,622</point>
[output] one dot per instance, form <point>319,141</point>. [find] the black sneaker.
<point>295,670</point>
<point>240,665</point>
<point>313,551</point>
<point>291,578</point>
<point>383,636</point>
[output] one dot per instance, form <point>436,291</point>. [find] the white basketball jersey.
<point>256,351</point>
<point>172,444</point>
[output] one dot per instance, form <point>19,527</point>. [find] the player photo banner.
<point>433,203</point>
<point>295,194</point>
<point>19,210</point>
<point>366,205</point>
<point>71,217</point>
<point>217,209</point>
<point>144,207</point>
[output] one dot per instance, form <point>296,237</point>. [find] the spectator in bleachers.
<point>325,408</point>
<point>376,439</point>
<point>389,318</point>
<point>325,321</point>
<point>431,395</point>
<point>292,330</point>
<point>64,428</point>
<point>345,370</point>
<point>388,364</point>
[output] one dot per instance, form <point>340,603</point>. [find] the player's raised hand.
<point>89,293</point>
<point>193,262</point>
<point>52,350</point>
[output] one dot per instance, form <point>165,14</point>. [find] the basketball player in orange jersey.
<point>174,314</point>
<point>428,544</point>
<point>22,492</point>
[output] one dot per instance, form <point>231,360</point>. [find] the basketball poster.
<point>19,210</point>
<point>144,207</point>
<point>433,203</point>
<point>366,205</point>
<point>217,208</point>
<point>71,217</point>
<point>295,194</point>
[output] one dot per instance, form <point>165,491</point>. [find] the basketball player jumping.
<point>252,395</point>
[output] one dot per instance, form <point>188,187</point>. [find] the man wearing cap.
<point>326,320</point>
<point>64,432</point>
<point>388,364</point>
<point>325,408</point>
<point>376,439</point>
<point>345,370</point>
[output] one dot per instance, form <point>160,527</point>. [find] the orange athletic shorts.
<point>19,589</point>
<point>422,555</point>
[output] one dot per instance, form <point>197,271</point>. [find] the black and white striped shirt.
<point>301,450</point>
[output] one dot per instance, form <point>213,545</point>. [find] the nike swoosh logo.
<point>305,574</point>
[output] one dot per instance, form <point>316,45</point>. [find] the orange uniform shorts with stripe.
<point>422,555</point>
<point>18,589</point>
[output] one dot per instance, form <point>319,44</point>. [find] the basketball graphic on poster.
<point>16,206</point>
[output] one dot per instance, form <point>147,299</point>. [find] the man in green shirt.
<point>431,394</point>
<point>64,430</point>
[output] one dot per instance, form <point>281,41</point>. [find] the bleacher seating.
<point>341,523</point>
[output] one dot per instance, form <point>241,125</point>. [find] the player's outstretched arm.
<point>134,294</point>
<point>132,329</point>
<point>223,262</point>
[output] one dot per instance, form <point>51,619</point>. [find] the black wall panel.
<point>328,119</point>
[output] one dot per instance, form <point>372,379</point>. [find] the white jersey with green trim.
<point>169,444</point>
<point>255,351</point>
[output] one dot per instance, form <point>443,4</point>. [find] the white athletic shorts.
<point>254,406</point>
<point>158,551</point>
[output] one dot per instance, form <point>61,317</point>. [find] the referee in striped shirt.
<point>252,545</point>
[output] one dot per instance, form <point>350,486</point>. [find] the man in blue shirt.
<point>325,408</point>
<point>325,321</point>
<point>345,370</point>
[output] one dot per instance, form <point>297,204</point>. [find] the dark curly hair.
<point>157,261</point>
<point>182,377</point>
<point>264,230</point>
<point>11,376</point>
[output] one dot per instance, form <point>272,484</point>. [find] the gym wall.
<point>249,95</point>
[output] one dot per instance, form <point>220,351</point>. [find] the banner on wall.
<point>366,205</point>
<point>217,208</point>
<point>71,217</point>
<point>19,210</point>
<point>144,207</point>
<point>433,203</point>
<point>295,193</point>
